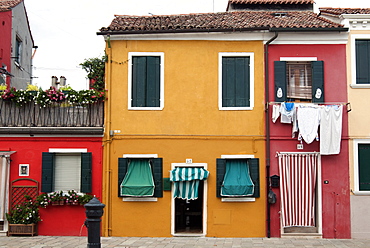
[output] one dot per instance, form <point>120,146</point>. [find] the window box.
<point>22,229</point>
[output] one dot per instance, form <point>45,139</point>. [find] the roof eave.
<point>339,29</point>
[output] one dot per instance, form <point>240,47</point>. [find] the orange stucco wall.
<point>189,126</point>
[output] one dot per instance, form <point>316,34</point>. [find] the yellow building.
<point>183,100</point>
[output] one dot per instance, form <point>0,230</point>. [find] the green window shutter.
<point>362,61</point>
<point>235,82</point>
<point>86,163</point>
<point>122,169</point>
<point>280,81</point>
<point>47,180</point>
<point>364,166</point>
<point>317,81</point>
<point>220,173</point>
<point>254,171</point>
<point>153,82</point>
<point>157,167</point>
<point>145,90</point>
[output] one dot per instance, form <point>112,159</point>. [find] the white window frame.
<point>161,100</point>
<point>238,199</point>
<point>139,199</point>
<point>355,37</point>
<point>69,151</point>
<point>356,179</point>
<point>251,79</point>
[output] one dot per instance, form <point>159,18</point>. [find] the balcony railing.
<point>53,115</point>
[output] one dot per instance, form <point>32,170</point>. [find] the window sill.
<point>361,193</point>
<point>145,108</point>
<point>139,199</point>
<point>239,199</point>
<point>360,86</point>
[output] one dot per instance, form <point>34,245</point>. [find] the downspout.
<point>107,144</point>
<point>267,124</point>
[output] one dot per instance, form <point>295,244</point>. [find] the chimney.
<point>54,81</point>
<point>63,81</point>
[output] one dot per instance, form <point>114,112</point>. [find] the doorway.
<point>189,216</point>
<point>300,191</point>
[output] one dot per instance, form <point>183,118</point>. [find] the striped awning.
<point>186,181</point>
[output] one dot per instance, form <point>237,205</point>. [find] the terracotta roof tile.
<point>271,1</point>
<point>341,11</point>
<point>213,22</point>
<point>6,5</point>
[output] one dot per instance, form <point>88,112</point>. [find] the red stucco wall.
<point>5,39</point>
<point>56,220</point>
<point>335,168</point>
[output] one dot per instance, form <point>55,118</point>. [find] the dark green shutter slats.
<point>158,176</point>
<point>317,81</point>
<point>122,169</point>
<point>280,81</point>
<point>254,171</point>
<point>86,162</point>
<point>235,82</point>
<point>47,180</point>
<point>145,81</point>
<point>220,173</point>
<point>362,61</point>
<point>364,166</point>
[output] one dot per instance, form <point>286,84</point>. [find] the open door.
<point>189,200</point>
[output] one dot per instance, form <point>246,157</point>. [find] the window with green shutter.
<point>249,173</point>
<point>299,80</point>
<point>362,48</point>
<point>66,171</point>
<point>364,167</point>
<point>156,170</point>
<point>146,79</point>
<point>236,81</point>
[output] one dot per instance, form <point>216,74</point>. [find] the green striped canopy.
<point>186,181</point>
<point>138,180</point>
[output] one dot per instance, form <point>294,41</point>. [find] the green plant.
<point>43,200</point>
<point>72,197</point>
<point>83,199</point>
<point>66,88</point>
<point>25,213</point>
<point>95,68</point>
<point>56,196</point>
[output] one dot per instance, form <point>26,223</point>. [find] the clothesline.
<point>347,104</point>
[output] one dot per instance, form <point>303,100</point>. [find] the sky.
<point>65,31</point>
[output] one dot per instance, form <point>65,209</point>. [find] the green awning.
<point>138,180</point>
<point>186,181</point>
<point>237,181</point>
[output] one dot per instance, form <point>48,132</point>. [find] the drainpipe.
<point>267,124</point>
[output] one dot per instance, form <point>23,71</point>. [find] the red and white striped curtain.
<point>298,172</point>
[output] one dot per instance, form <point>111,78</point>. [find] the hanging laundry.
<point>287,111</point>
<point>308,118</point>
<point>330,129</point>
<point>275,112</point>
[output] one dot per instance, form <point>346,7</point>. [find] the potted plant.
<point>83,199</point>
<point>57,198</point>
<point>72,197</point>
<point>23,218</point>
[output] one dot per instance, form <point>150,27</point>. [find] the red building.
<point>51,149</point>
<point>313,194</point>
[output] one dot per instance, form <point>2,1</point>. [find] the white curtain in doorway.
<point>298,174</point>
<point>4,181</point>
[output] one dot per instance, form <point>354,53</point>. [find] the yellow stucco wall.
<point>189,126</point>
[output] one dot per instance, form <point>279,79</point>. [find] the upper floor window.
<point>299,79</point>
<point>362,61</point>
<point>146,81</point>
<point>236,81</point>
<point>361,167</point>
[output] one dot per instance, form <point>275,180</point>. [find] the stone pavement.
<point>174,242</point>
